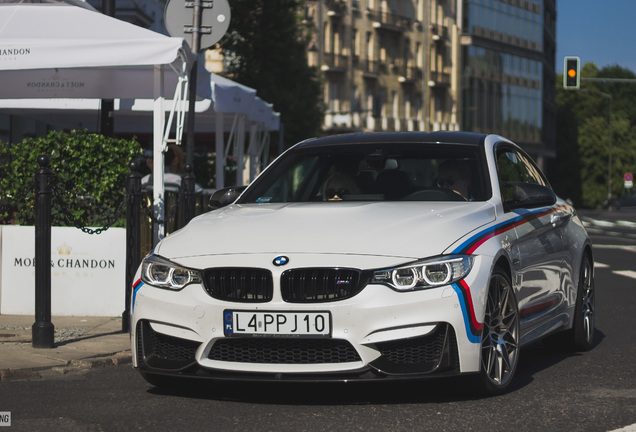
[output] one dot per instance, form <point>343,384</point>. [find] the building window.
<point>356,42</point>
<point>370,48</point>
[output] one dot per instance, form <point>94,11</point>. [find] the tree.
<point>564,171</point>
<point>89,172</point>
<point>266,48</point>
<point>624,94</point>
<point>580,170</point>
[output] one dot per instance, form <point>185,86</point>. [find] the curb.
<point>81,365</point>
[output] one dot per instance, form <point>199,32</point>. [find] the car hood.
<point>409,230</point>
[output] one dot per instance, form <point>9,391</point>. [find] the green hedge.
<point>89,175</point>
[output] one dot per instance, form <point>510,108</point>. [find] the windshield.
<point>373,172</point>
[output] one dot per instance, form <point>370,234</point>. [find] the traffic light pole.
<point>609,159</point>
<point>571,81</point>
<point>610,80</point>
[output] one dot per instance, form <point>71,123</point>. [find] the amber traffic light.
<point>571,78</point>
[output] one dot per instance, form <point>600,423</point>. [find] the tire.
<point>500,344</point>
<point>581,336</point>
<point>585,308</point>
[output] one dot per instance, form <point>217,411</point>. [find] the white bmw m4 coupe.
<point>369,257</point>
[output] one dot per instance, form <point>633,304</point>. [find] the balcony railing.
<point>335,62</point>
<point>439,32</point>
<point>408,73</point>
<point>336,8</point>
<point>439,79</point>
<point>390,20</point>
<point>373,67</point>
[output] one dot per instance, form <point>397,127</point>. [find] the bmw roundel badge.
<point>280,261</point>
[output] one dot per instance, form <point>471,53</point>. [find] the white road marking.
<point>628,224</point>
<point>592,223</point>
<point>608,224</point>
<point>621,247</point>
<point>630,428</point>
<point>602,223</point>
<point>627,273</point>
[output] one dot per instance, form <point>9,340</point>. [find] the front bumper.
<point>377,334</point>
<point>431,355</point>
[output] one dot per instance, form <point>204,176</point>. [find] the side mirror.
<point>225,196</point>
<point>527,195</point>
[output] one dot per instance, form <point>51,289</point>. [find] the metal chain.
<point>57,193</point>
<point>78,224</point>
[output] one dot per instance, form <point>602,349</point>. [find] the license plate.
<point>277,323</point>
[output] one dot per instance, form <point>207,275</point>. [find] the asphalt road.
<point>591,391</point>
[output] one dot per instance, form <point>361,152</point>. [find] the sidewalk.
<point>80,343</point>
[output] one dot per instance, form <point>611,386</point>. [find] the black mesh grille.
<point>140,341</point>
<point>248,285</point>
<point>321,284</point>
<point>163,351</point>
<point>420,350</point>
<point>283,351</point>
<point>172,348</point>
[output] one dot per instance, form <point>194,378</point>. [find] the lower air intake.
<point>283,351</point>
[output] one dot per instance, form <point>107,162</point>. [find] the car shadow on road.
<point>542,355</point>
<point>351,393</point>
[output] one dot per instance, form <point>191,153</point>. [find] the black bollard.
<point>43,330</point>
<point>133,236</point>
<point>189,203</point>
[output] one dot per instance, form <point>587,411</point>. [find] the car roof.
<point>401,137</point>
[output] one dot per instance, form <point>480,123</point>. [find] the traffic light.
<point>571,78</point>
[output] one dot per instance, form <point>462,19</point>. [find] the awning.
<point>56,50</point>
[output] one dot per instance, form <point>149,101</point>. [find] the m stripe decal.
<point>473,327</point>
<point>138,284</point>
<point>470,245</point>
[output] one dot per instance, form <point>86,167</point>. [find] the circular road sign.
<point>215,20</point>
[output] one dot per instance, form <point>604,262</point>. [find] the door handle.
<point>557,219</point>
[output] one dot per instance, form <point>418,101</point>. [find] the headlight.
<point>425,273</point>
<point>162,273</point>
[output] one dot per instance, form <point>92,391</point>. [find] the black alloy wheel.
<point>500,344</point>
<point>584,313</point>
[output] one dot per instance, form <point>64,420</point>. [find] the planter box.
<point>87,271</point>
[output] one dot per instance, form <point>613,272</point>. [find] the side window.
<point>515,167</point>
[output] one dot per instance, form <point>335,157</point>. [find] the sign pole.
<point>107,108</point>
<point>216,16</point>
<point>628,178</point>
<point>192,96</point>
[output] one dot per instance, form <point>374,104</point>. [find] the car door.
<point>540,244</point>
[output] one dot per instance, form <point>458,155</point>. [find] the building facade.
<point>388,65</point>
<point>508,71</point>
<point>408,65</point>
<point>416,65</point>
<point>475,65</point>
<point>144,13</point>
